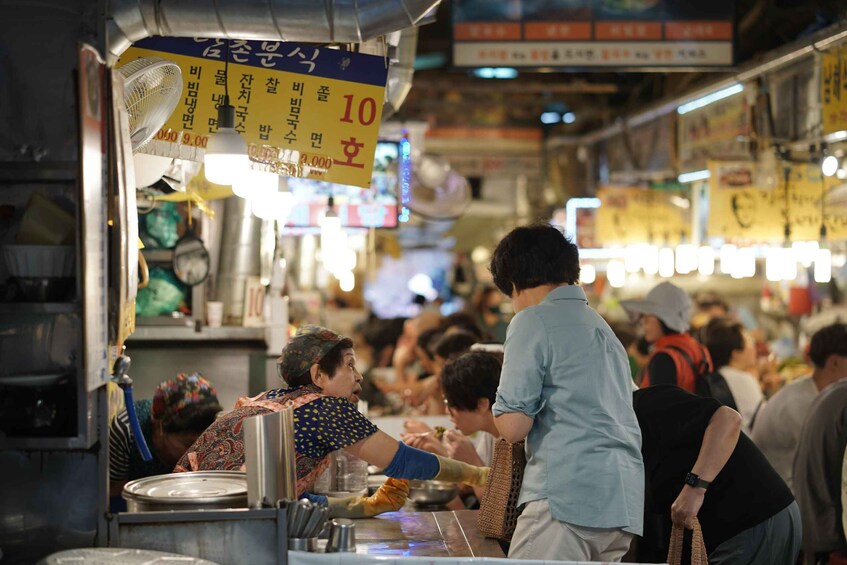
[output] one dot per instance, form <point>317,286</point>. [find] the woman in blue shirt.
<point>566,388</point>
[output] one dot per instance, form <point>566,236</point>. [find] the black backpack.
<point>709,384</point>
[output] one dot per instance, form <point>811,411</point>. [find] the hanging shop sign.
<point>639,215</point>
<point>741,209</point>
<point>716,131</point>
<point>593,33</point>
<point>834,90</point>
<point>646,147</point>
<point>304,110</point>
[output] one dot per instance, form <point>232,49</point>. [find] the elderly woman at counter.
<point>319,367</point>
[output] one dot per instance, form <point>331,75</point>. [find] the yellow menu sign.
<point>631,215</point>
<point>304,110</point>
<point>834,90</point>
<point>739,209</point>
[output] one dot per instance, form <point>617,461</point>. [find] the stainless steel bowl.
<point>432,493</point>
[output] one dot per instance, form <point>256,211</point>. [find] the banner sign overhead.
<point>593,33</point>
<point>631,215</point>
<point>304,110</point>
<point>741,209</point>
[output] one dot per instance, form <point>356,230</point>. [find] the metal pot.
<point>432,493</point>
<point>187,491</point>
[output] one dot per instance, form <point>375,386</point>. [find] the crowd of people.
<point>625,434</point>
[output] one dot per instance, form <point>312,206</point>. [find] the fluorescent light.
<point>694,176</point>
<point>773,270</point>
<point>686,258</point>
<point>709,98</point>
<point>495,72</point>
<point>569,117</point>
<point>650,259</point>
<point>632,258</point>
<point>570,216</point>
<point>550,117</point>
<point>836,136</point>
<point>680,202</point>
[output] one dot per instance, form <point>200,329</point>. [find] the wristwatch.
<point>695,481</point>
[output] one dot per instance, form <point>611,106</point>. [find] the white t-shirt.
<point>484,444</point>
<point>746,391</point>
<point>780,423</point>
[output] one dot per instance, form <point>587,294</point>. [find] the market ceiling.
<point>446,97</point>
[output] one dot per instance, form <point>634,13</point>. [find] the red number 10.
<point>366,106</point>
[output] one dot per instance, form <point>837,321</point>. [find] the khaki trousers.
<point>540,536</point>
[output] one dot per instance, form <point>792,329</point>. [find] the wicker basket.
<point>498,511</point>
<point>698,548</point>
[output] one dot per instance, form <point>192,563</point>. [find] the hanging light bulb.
<point>686,258</point>
<point>728,256</point>
<point>829,165</point>
<point>666,262</point>
<point>632,258</point>
<point>823,265</point>
<point>347,281</point>
<point>616,273</point>
<point>226,157</point>
<point>650,259</point>
<point>745,263</point>
<point>788,264</point>
<point>706,261</point>
<point>254,182</point>
<point>773,269</point>
<point>272,205</point>
<point>587,274</point>
<point>330,227</point>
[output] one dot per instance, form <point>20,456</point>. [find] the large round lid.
<point>189,488</point>
<point>120,556</point>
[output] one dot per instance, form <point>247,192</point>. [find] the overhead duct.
<point>401,72</point>
<point>313,21</point>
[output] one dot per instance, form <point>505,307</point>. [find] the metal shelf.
<point>182,333</point>
<point>42,443</point>
<point>36,171</point>
<point>40,308</point>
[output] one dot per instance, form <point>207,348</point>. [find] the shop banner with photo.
<point>304,110</point>
<point>632,215</point>
<point>834,90</point>
<point>743,210</point>
<point>651,34</point>
<point>715,132</point>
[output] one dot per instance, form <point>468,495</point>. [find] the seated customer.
<point>179,412</point>
<point>733,353</point>
<point>698,464</point>
<point>319,367</point>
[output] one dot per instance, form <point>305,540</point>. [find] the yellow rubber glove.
<point>390,497</point>
<point>453,471</point>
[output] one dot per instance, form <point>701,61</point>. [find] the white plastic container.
<point>38,261</point>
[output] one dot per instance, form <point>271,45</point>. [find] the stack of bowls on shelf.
<point>43,273</point>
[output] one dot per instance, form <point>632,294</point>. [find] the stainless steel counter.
<point>424,534</point>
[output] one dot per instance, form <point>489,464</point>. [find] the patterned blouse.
<point>322,424</point>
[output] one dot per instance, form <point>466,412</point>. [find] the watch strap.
<point>695,481</point>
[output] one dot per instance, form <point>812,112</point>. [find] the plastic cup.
<point>214,314</point>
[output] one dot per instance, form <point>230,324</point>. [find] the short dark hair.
<point>328,364</point>
<point>192,419</point>
<point>426,339</point>
<point>722,338</point>
<point>469,378</point>
<point>454,344</point>
<point>831,340</point>
<point>534,255</point>
<point>462,321</point>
